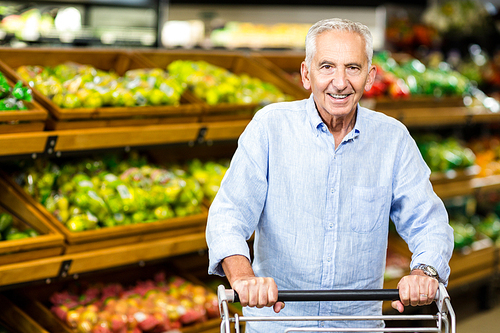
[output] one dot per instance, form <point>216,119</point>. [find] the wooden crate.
<point>235,63</point>
<point>31,120</point>
<point>49,243</point>
<point>479,262</point>
<point>283,64</point>
<point>35,303</point>
<point>88,240</point>
<point>117,60</point>
<point>16,319</point>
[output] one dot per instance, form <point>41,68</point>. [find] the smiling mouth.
<point>339,96</point>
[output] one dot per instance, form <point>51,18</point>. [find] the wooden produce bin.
<point>283,64</point>
<point>36,303</point>
<point>118,61</point>
<point>31,120</point>
<point>475,265</point>
<point>235,63</point>
<point>454,182</point>
<point>48,243</point>
<point>16,319</point>
<point>466,267</point>
<point>112,237</point>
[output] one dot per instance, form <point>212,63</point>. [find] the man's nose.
<point>339,80</point>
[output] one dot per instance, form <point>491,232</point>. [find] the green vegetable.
<point>16,235</point>
<point>5,221</point>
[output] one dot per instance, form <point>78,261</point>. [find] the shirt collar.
<point>318,125</point>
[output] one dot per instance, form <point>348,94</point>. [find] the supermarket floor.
<point>477,309</point>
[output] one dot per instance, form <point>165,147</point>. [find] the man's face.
<point>339,73</point>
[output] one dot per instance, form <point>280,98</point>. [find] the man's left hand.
<point>415,289</point>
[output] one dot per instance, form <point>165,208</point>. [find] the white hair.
<point>339,25</point>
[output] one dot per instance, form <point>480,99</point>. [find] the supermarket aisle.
<point>470,317</point>
<point>484,322</point>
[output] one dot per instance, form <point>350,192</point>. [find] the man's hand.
<point>253,291</point>
<point>258,292</point>
<point>415,289</point>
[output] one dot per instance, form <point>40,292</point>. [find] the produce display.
<point>410,77</point>
<point>155,305</point>
<point>487,151</point>
<point>13,98</point>
<point>9,231</point>
<point>72,85</point>
<point>442,155</point>
<point>216,85</point>
<point>468,230</point>
<point>95,193</point>
<point>209,175</point>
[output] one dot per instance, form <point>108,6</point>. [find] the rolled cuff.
<point>223,248</point>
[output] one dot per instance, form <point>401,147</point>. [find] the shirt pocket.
<point>368,208</point>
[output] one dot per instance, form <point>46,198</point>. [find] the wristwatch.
<point>428,270</point>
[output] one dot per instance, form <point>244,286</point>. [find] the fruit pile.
<point>158,305</point>
<point>9,231</point>
<point>72,85</point>
<point>468,230</point>
<point>410,77</point>
<point>487,152</point>
<point>95,193</point>
<point>13,98</point>
<point>215,85</point>
<point>442,155</point>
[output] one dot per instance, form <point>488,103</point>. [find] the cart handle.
<point>327,295</point>
<point>330,295</point>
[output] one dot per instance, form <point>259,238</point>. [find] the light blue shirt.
<point>320,214</point>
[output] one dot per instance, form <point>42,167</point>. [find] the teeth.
<point>339,96</point>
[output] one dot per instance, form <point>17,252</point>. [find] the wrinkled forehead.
<point>349,46</point>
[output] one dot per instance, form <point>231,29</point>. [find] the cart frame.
<point>445,319</point>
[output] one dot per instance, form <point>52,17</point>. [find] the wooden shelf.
<point>486,183</point>
<point>23,143</point>
<point>438,116</point>
<point>53,267</point>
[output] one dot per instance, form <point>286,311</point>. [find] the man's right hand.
<point>258,292</point>
<point>253,291</point>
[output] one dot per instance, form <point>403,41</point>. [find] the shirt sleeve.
<point>418,213</point>
<point>236,209</point>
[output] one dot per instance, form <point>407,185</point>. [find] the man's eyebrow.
<point>354,64</point>
<point>325,62</point>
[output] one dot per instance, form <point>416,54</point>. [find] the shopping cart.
<point>443,321</point>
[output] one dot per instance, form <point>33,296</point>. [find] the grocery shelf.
<point>53,267</point>
<point>23,143</point>
<point>113,137</point>
<point>418,117</point>
<point>133,253</point>
<point>486,183</point>
<point>224,130</point>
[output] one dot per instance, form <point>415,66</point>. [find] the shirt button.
<point>330,225</point>
<point>332,190</point>
<point>329,259</point>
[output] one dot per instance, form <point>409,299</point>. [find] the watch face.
<point>431,270</point>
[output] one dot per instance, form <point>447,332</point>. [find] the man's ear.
<point>371,78</point>
<point>304,73</point>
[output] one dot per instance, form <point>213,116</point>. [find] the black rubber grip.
<point>335,295</point>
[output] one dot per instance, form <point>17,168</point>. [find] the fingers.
<point>417,290</point>
<point>257,292</point>
<point>278,306</point>
<point>398,306</point>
